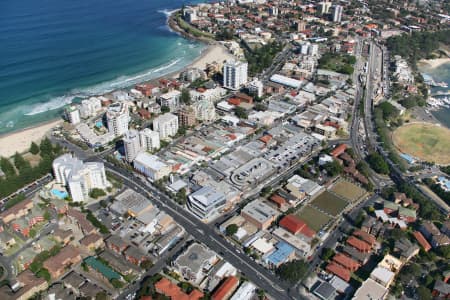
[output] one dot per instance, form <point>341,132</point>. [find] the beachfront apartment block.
<point>117,118</point>
<point>72,114</point>
<point>80,178</point>
<point>234,74</point>
<point>90,107</point>
<point>131,144</point>
<point>149,139</point>
<point>166,125</point>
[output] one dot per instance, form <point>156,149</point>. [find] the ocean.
<point>53,51</point>
<point>441,73</point>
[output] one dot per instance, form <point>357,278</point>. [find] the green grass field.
<point>329,203</point>
<point>427,142</point>
<point>314,218</point>
<point>348,190</point>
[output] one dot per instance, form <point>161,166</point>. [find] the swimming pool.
<point>59,194</point>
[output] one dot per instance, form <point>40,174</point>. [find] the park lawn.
<point>315,219</point>
<point>348,190</point>
<point>424,141</point>
<point>329,203</point>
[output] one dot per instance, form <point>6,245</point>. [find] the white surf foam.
<point>101,88</point>
<point>54,103</point>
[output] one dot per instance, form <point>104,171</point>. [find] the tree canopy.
<point>292,271</point>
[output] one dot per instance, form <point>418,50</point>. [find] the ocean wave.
<point>53,104</point>
<point>166,12</point>
<point>101,88</point>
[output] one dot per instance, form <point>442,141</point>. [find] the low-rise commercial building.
<point>151,166</point>
<point>259,214</point>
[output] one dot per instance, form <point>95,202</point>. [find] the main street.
<point>206,234</point>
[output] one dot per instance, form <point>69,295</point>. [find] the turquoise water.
<point>59,194</point>
<point>442,73</point>
<point>52,51</point>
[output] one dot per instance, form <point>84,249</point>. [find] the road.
<point>206,234</point>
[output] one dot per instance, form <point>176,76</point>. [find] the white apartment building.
<point>234,74</point>
<point>80,178</point>
<point>72,114</point>
<point>256,87</point>
<point>149,139</point>
<point>205,111</point>
<point>90,107</point>
<point>117,118</point>
<point>166,125</point>
<point>151,166</point>
<point>337,14</point>
<point>171,100</point>
<point>131,144</point>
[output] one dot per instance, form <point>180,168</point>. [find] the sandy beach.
<point>434,63</point>
<point>20,141</point>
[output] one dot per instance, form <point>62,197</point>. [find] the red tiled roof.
<point>234,101</point>
<point>278,200</point>
<point>296,225</point>
<point>346,262</point>
<point>366,237</point>
<point>226,288</point>
<point>292,223</point>
<point>358,244</point>
<point>170,289</point>
<point>339,150</point>
<point>422,241</point>
<point>265,138</point>
<point>339,271</point>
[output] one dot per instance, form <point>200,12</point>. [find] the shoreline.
<point>433,63</point>
<point>20,140</point>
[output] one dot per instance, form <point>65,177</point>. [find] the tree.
<point>43,273</point>
<point>20,162</point>
<point>47,215</point>
<point>377,163</point>
<point>46,147</point>
<point>7,167</point>
<point>389,111</point>
<point>327,253</point>
<point>181,196</point>
<point>424,293</point>
<point>185,96</point>
<point>266,191</point>
<point>34,148</point>
<point>117,283</point>
<point>240,112</point>
<point>96,193</point>
<point>333,168</point>
<point>165,109</point>
<point>231,229</point>
<point>101,296</point>
<point>146,264</point>
<point>292,271</point>
<point>259,107</point>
